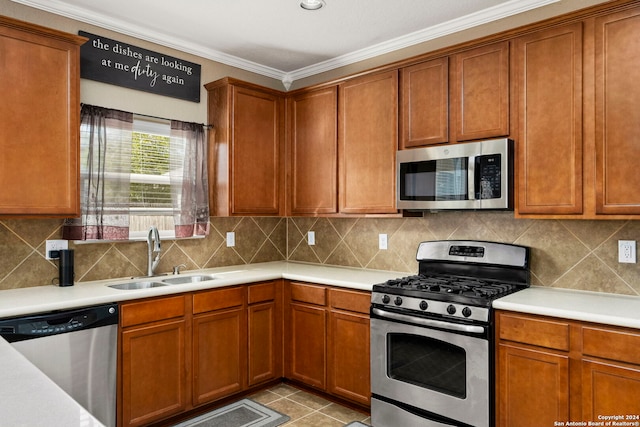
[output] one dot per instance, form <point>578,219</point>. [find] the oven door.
<point>432,370</point>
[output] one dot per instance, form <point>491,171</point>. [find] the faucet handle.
<point>176,268</point>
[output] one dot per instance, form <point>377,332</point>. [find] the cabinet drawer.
<point>217,299</point>
<point>540,332</point>
<point>611,344</point>
<point>261,292</point>
<point>152,310</point>
<point>308,293</point>
<point>358,302</point>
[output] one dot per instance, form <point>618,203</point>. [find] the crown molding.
<point>497,12</point>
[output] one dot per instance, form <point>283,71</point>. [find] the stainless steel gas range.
<point>432,334</point>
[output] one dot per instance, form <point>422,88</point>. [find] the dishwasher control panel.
<point>59,322</point>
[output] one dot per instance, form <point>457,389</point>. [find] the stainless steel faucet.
<point>152,263</point>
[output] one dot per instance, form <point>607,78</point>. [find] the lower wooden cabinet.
<point>554,370</point>
<point>154,360</point>
<point>327,340</point>
<point>348,348</point>
<point>219,344</point>
<point>181,352</point>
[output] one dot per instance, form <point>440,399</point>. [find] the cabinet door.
<point>154,372</point>
<point>307,349</point>
<point>610,389</point>
<point>256,158</point>
<point>348,356</point>
<point>264,357</point>
<point>219,354</point>
<point>533,388</point>
<point>39,121</point>
<point>617,45</point>
<point>548,68</point>
<point>424,118</point>
<point>313,133</point>
<point>480,92</point>
<point>367,141</point>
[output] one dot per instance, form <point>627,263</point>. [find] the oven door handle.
<point>429,322</point>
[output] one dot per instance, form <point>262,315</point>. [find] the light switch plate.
<point>231,239</point>
<point>627,251</point>
<point>311,238</point>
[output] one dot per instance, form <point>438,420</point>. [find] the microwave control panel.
<point>489,175</point>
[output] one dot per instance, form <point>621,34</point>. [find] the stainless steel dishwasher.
<point>76,349</point>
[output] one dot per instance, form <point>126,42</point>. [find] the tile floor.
<point>306,409</point>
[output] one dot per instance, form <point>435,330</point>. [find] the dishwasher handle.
<point>58,322</point>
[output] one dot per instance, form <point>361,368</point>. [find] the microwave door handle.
<point>471,177</point>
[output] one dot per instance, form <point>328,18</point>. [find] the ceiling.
<point>278,38</point>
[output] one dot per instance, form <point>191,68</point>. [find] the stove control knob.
<point>451,309</point>
<point>466,312</point>
<point>398,301</point>
<point>386,299</point>
<point>423,305</point>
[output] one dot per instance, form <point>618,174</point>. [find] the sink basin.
<point>189,279</point>
<point>137,285</point>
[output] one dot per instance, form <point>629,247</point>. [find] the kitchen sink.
<point>137,285</point>
<point>189,279</point>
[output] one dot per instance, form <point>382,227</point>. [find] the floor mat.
<point>243,413</point>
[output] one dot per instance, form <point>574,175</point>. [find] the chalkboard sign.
<point>110,61</point>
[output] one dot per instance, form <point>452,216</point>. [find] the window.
<point>137,172</point>
<point>151,165</point>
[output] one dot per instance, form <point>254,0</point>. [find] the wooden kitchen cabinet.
<point>479,93</point>
<point>313,152</point>
<point>219,344</point>
<point>39,121</point>
<point>154,360</point>
<point>305,358</point>
<point>348,348</point>
<point>327,340</point>
<point>551,369</point>
<point>548,68</point>
<point>246,151</point>
<point>424,118</point>
<point>617,43</point>
<point>367,143</point>
<point>264,334</point>
<point>461,97</point>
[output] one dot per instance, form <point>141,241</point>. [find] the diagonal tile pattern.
<point>565,253</point>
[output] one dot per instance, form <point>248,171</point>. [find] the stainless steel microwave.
<point>473,175</point>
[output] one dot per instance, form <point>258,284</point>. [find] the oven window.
<point>428,363</point>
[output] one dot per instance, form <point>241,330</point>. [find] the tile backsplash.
<point>565,253</point>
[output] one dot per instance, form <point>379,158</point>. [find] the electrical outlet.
<point>627,251</point>
<point>231,239</point>
<point>382,241</point>
<point>311,238</point>
<point>53,246</point>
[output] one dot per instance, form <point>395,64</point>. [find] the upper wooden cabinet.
<point>367,143</point>
<point>460,97</point>
<point>424,103</point>
<point>480,93</point>
<point>39,120</point>
<point>548,69</point>
<point>617,98</point>
<point>247,152</point>
<point>313,152</point>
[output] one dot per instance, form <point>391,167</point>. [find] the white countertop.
<point>40,299</point>
<point>610,309</point>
